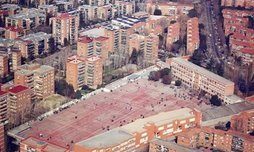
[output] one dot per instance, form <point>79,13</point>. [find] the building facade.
<point>192,35</point>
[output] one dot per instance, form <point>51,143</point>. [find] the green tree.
<point>157,12</point>
<point>178,83</point>
<point>52,45</point>
<point>165,71</point>
<point>215,100</point>
<point>193,13</point>
<point>154,75</point>
<point>196,57</point>
<point>220,69</point>
<point>166,79</point>
<point>242,85</point>
<point>78,94</point>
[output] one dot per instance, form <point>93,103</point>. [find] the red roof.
<point>85,39</point>
<point>18,89</point>
<point>247,51</point>
<point>2,92</point>
<point>101,38</point>
<point>15,29</point>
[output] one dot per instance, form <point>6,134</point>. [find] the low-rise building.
<point>201,79</point>
<point>139,133</point>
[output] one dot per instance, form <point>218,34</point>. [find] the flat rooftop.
<point>104,111</point>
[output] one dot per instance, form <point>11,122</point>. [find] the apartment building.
<point>4,64</point>
<point>39,78</point>
<point>3,108</point>
<point>238,3</point>
<point>9,9</point>
<point>147,44</point>
<point>34,144</point>
<point>76,71</point>
<point>139,133</point>
<point>173,34</point>
<point>236,21</point>
<point>160,145</point>
<point>97,46</point>
<point>19,104</point>
<point>13,32</point>
<point>192,35</point>
<point>27,19</point>
<point>243,122</point>
<point>98,2</point>
<point>168,8</point>
<point>199,78</point>
<point>65,28</point>
<point>2,138</point>
<point>96,13</point>
<point>82,71</point>
<point>48,9</point>
<point>64,6</point>
<point>33,45</point>
<point>217,139</point>
<point>124,8</point>
<point>15,59</point>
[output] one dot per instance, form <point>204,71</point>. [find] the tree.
<point>242,85</point>
<point>134,56</point>
<point>52,45</point>
<point>165,71</point>
<point>196,57</point>
<point>220,69</point>
<point>215,100</point>
<point>157,12</point>
<point>64,89</point>
<point>66,42</point>
<point>166,79</point>
<point>85,87</point>
<point>228,125</point>
<point>154,75</point>
<point>178,83</point>
<point>193,13</point>
<point>78,94</point>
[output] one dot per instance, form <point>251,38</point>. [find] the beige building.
<point>4,64</point>
<point>27,19</point>
<point>82,71</point>
<point>201,79</point>
<point>173,34</point>
<point>3,107</point>
<point>192,35</point>
<point>65,28</point>
<point>147,44</point>
<point>19,104</point>
<point>33,45</point>
<point>98,46</point>
<point>16,59</point>
<point>39,78</point>
<point>124,8</point>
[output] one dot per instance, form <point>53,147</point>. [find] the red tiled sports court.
<point>122,106</point>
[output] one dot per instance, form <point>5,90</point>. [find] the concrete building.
<point>243,122</point>
<point>238,3</point>
<point>13,32</point>
<point>168,8</point>
<point>147,44</point>
<point>16,59</point>
<point>192,35</point>
<point>27,20</point>
<point>34,144</point>
<point>82,71</point>
<point>3,109</point>
<point>167,145</point>
<point>65,28</point>
<point>97,46</point>
<point>216,139</point>
<point>33,45</point>
<point>4,64</point>
<point>124,8</point>
<point>40,79</point>
<point>19,104</point>
<point>2,138</point>
<point>139,133</point>
<point>173,34</point>
<point>201,79</point>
